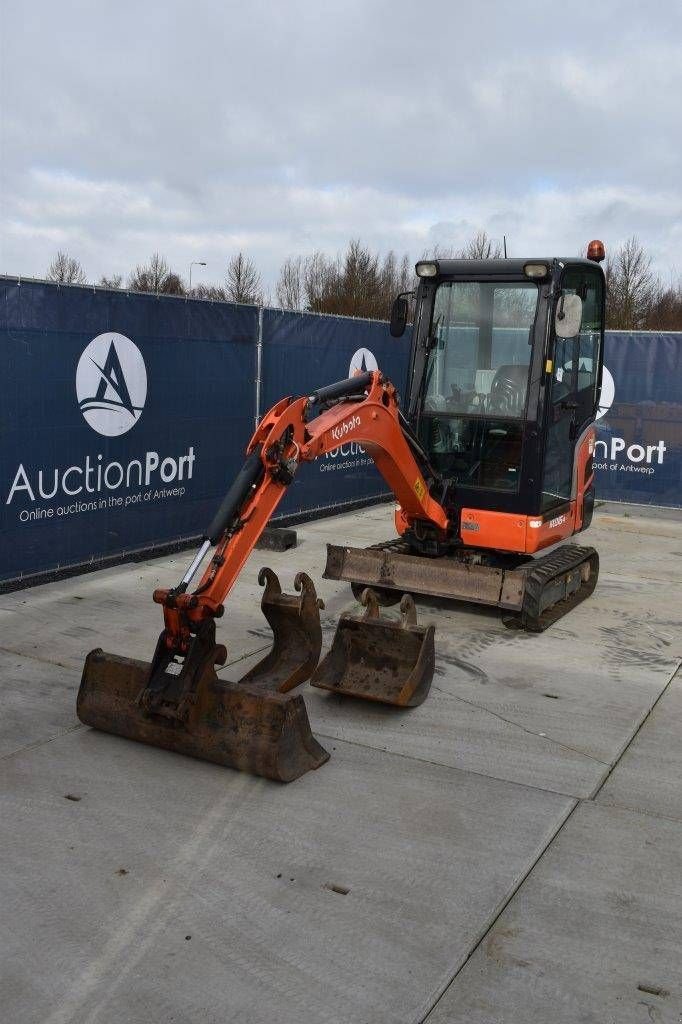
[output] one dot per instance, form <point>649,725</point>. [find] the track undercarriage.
<point>533,593</point>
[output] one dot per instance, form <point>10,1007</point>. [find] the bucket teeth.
<point>253,725</point>
<point>380,659</point>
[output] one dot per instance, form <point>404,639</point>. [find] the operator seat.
<point>508,390</point>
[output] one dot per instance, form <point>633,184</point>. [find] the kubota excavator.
<point>490,465</point>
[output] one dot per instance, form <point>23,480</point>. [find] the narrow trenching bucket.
<point>383,660</point>
<point>295,623</point>
<point>254,724</point>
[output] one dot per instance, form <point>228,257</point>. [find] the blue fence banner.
<point>302,352</point>
<point>125,417</point>
<point>638,456</point>
<point>123,420</point>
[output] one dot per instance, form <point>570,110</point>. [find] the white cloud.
<point>196,130</point>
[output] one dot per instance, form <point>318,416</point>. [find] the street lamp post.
<point>194,263</point>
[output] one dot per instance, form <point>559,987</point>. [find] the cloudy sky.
<point>201,128</point>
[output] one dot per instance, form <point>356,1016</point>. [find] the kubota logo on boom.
<point>111,384</point>
<point>338,433</point>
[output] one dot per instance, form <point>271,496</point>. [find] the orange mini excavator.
<point>490,465</point>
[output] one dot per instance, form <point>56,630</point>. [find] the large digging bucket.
<point>250,725</point>
<point>383,660</point>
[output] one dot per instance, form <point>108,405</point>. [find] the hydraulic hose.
<point>350,386</point>
<point>248,476</point>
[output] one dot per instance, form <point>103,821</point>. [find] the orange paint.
<point>284,437</point>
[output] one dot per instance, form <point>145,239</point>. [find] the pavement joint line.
<point>43,742</point>
<point>33,657</point>
<point>600,786</point>
<point>450,767</point>
<point>423,1019</point>
<point>190,858</point>
<point>531,732</point>
<point>578,802</point>
<point>635,810</point>
<point>636,579</point>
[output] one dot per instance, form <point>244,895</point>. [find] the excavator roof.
<point>481,269</point>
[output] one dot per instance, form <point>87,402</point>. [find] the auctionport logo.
<point>362,361</point>
<point>608,393</point>
<point>111,384</point>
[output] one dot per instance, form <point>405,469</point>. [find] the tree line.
<point>362,283</point>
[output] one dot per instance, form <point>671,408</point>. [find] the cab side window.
<point>581,354</point>
<point>573,391</point>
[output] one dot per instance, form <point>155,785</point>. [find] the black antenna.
<point>504,243</point>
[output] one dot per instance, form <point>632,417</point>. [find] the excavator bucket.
<point>254,724</point>
<point>295,623</point>
<point>383,660</point>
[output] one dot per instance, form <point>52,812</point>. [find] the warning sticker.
<point>419,488</point>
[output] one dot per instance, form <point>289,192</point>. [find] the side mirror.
<point>569,316</point>
<point>399,311</point>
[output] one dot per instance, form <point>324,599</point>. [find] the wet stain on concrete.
<point>495,948</point>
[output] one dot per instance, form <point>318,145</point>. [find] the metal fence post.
<point>259,366</point>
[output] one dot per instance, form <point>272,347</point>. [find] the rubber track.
<point>546,571</point>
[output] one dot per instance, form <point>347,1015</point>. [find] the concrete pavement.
<point>508,853</point>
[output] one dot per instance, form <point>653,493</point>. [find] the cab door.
<point>576,364</point>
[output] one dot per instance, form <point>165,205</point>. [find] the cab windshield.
<point>477,380</point>
<point>481,333</point>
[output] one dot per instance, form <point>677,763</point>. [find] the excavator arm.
<point>365,410</point>
<point>257,723</point>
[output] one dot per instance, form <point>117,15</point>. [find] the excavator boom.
<point>284,438</point>
<point>178,701</point>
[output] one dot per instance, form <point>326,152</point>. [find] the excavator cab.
<point>503,388</point>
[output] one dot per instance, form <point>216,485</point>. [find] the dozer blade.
<point>379,659</point>
<point>533,592</point>
<point>250,725</point>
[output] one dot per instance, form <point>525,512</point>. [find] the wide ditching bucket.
<point>378,659</point>
<point>254,724</point>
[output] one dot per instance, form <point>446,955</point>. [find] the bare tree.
<point>290,284</point>
<point>355,283</point>
<point>481,247</point>
<point>174,285</point>
<point>319,277</point>
<point>65,269</point>
<point>156,276</point>
<point>149,277</point>
<point>406,276</point>
<point>630,287</point>
<point>397,275</point>
<point>209,291</point>
<point>114,282</point>
<point>441,252</point>
<point>243,282</point>
<point>363,281</point>
<point>665,313</point>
